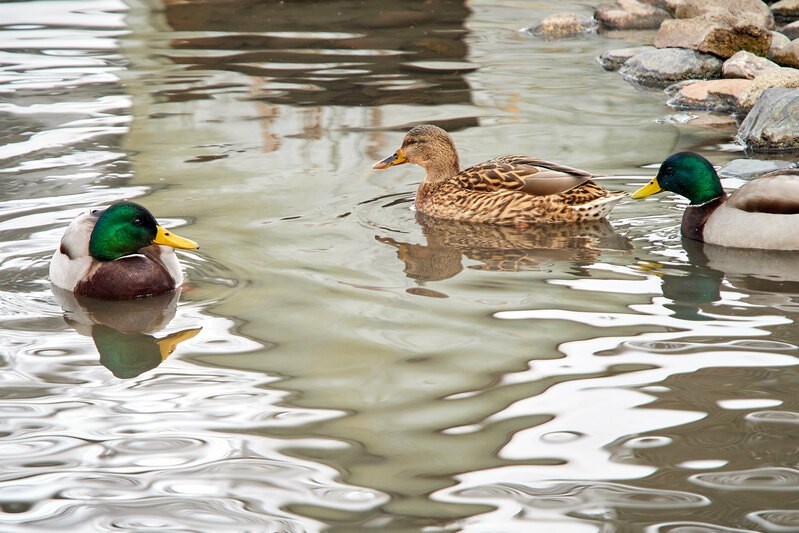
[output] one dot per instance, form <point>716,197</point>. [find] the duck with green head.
<point>117,254</point>
<point>763,213</point>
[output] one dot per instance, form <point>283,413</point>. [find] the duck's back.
<point>515,190</point>
<point>776,193</point>
<point>762,214</point>
<point>71,260</point>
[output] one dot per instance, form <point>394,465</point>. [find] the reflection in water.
<point>349,53</point>
<point>311,401</point>
<point>740,455</point>
<point>123,331</point>
<point>502,248</point>
<point>754,270</point>
<point>770,277</point>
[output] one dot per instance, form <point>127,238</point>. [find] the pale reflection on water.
<point>336,362</point>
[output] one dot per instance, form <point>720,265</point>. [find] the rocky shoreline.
<point>738,57</point>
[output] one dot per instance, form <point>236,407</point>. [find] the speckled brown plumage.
<point>508,190</point>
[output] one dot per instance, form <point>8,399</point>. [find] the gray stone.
<point>746,65</point>
<point>562,25</point>
<point>630,15</point>
<point>780,77</point>
<point>662,4</point>
<point>751,168</point>
<point>662,67</point>
<point>778,40</point>
<point>745,11</point>
<point>791,31</point>
<point>722,35</point>
<point>773,123</point>
<point>788,55</point>
<point>786,9</point>
<point>614,59</point>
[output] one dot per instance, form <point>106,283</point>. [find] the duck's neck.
<point>442,168</point>
<point>695,217</point>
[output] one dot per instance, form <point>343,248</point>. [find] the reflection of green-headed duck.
<point>118,253</point>
<point>763,213</point>
<point>510,190</point>
<point>127,355</point>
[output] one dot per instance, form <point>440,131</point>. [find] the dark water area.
<point>336,361</point>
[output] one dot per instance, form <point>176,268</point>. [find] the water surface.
<point>336,362</point>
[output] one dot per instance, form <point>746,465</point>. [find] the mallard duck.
<point>510,190</point>
<point>117,254</point>
<point>763,213</point>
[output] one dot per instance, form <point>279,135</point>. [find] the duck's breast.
<point>125,278</point>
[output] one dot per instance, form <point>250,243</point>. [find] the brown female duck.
<point>508,190</point>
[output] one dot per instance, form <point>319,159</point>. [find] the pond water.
<point>335,362</point>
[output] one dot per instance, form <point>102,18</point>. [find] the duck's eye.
<point>137,221</point>
<point>411,141</point>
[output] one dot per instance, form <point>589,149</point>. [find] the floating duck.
<point>763,213</point>
<point>509,190</point>
<point>118,253</point>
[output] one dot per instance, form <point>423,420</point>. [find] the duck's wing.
<point>75,242</point>
<point>775,193</point>
<point>522,173</point>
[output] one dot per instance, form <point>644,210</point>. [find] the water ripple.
<point>779,520</point>
<point>776,479</point>
<point>773,417</point>
<point>694,527</point>
<point>151,514</point>
<point>587,495</point>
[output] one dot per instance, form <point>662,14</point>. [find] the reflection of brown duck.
<point>122,330</point>
<point>501,248</point>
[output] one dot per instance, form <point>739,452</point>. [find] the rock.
<point>773,123</point>
<point>662,67</point>
<point>630,15</point>
<point>778,40</point>
<point>746,65</point>
<point>711,95</point>
<point>614,59</point>
<point>788,55</point>
<point>662,4</point>
<point>721,35</point>
<point>786,9</point>
<point>791,31</point>
<point>563,25</point>
<point>750,11</point>
<point>714,121</point>
<point>781,77</point>
<point>672,5</point>
<point>751,168</point>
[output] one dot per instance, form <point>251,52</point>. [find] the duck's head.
<point>125,227</point>
<point>429,147</point>
<point>687,174</point>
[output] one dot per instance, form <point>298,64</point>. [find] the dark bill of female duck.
<point>397,158</point>
<point>118,253</point>
<point>762,214</point>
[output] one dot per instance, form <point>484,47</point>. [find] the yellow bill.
<point>649,189</point>
<point>167,238</point>
<point>168,344</point>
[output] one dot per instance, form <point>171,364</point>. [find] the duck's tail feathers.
<point>602,206</point>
